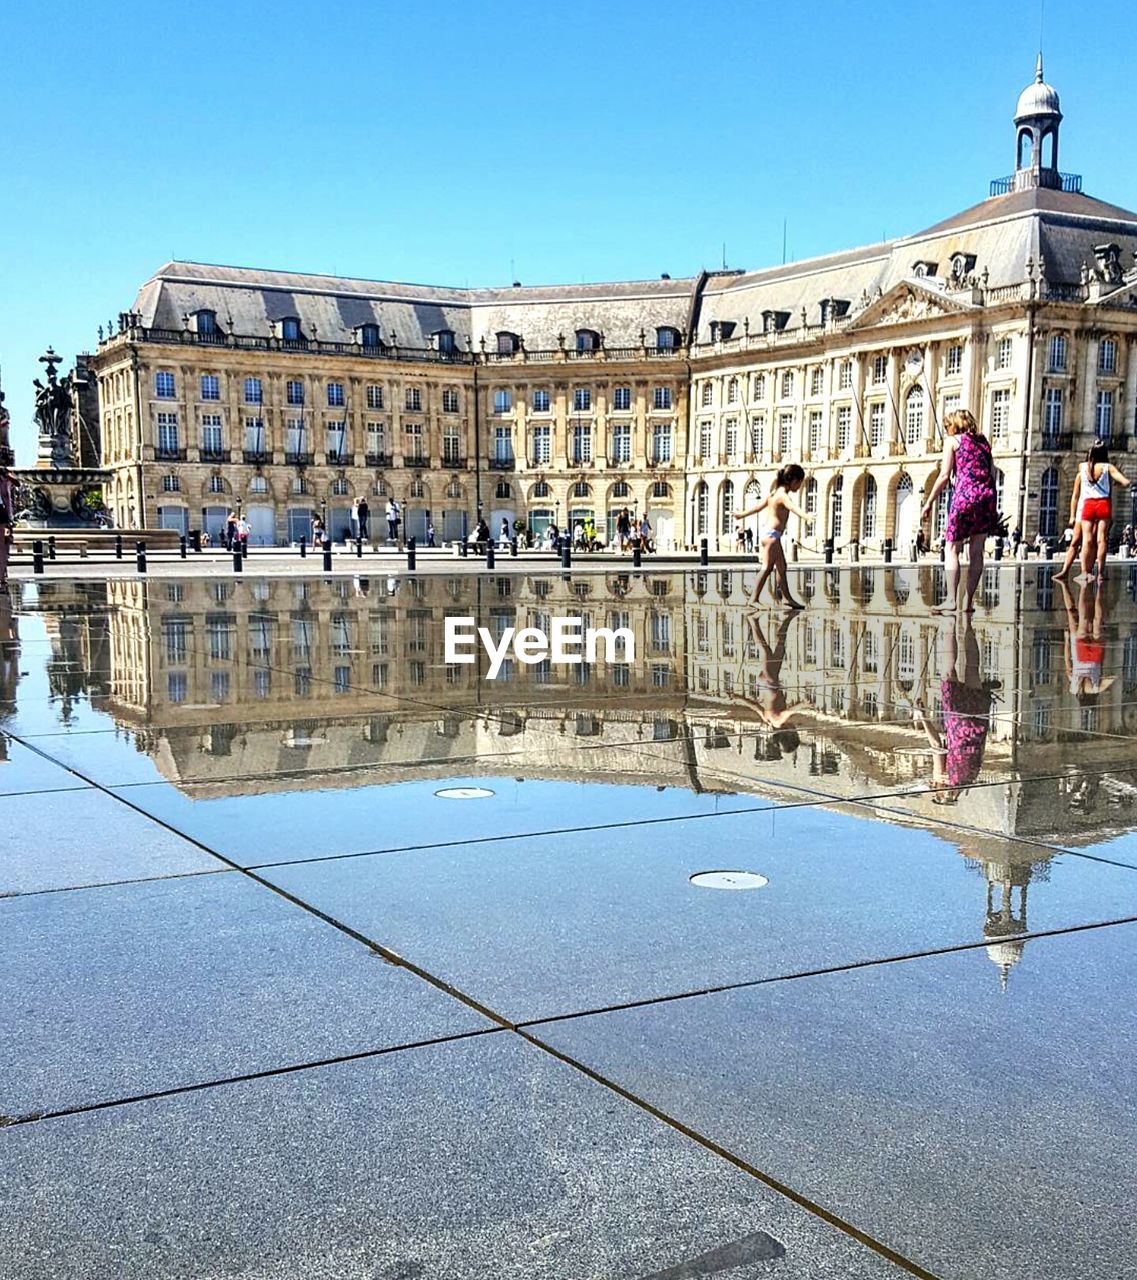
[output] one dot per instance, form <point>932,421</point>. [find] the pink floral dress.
<point>974,505</point>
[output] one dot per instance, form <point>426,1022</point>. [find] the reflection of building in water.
<point>287,684</point>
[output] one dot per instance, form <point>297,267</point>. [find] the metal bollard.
<point>703,551</point>
<point>359,548</point>
<point>118,546</point>
<point>943,552</point>
<point>489,554</point>
<point>51,547</point>
<point>182,545</point>
<point>411,547</point>
<point>463,547</point>
<point>140,556</point>
<point>238,560</point>
<point>566,554</point>
<point>195,541</point>
<point>327,557</point>
<point>513,548</point>
<point>998,548</point>
<point>828,550</point>
<point>37,556</point>
<point>888,551</point>
<point>303,547</point>
<point>637,556</point>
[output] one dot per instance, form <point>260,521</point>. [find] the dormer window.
<point>666,338</point>
<point>290,329</point>
<point>507,343</point>
<point>1109,262</point>
<point>923,268</point>
<point>774,321</point>
<point>444,341</point>
<point>206,324</point>
<point>721,330</point>
<point>961,266</point>
<point>369,337</point>
<point>833,309</point>
<point>587,340</point>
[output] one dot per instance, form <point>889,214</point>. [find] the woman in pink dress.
<point>973,514</point>
<point>7,520</point>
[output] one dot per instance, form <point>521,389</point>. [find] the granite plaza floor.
<point>325,958</point>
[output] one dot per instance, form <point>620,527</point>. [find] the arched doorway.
<point>907,518</point>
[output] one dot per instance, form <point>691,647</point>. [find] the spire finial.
<point>1038,69</point>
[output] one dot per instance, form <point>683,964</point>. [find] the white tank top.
<point>1092,488</point>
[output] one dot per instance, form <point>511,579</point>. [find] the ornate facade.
<point>292,394</point>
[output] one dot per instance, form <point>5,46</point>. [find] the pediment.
<point>908,301</point>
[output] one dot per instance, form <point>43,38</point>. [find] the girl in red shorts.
<point>1097,476</point>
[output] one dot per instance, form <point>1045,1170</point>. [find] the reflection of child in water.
<point>770,701</point>
<point>957,753</point>
<point>1085,648</point>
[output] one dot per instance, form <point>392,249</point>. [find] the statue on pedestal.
<point>55,408</point>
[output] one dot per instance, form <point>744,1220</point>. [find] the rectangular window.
<point>164,386</point>
<point>758,435</point>
<point>451,447</point>
<point>879,370</point>
<point>211,433</point>
<point>542,445</point>
<point>1000,413</point>
<point>412,449</point>
<point>582,400</point>
<point>954,360</point>
<point>376,438</point>
<point>706,433</point>
<point>622,399</point>
<point>845,377</point>
<point>414,399</point>
<point>581,443</point>
<point>661,398</point>
<point>1103,417</point>
<point>816,381</point>
<point>210,386</point>
<point>335,395</point>
<point>167,433</point>
<point>815,419</point>
<point>175,631</point>
<point>661,442</point>
<point>255,435</point>
<point>503,444</point>
<point>374,397</point>
<point>876,424</point>
<point>844,427</point>
<point>1003,353</point>
<point>1052,411</point>
<point>336,438</point>
<point>540,402</point>
<point>294,392</point>
<point>176,686</point>
<point>502,401</point>
<point>254,391</point>
<point>622,443</point>
<point>450,401</point>
<point>708,395</point>
<point>1056,353</point>
<point>731,437</point>
<point>785,434</point>
<point>1107,356</point>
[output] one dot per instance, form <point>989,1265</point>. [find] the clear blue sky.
<point>477,143</point>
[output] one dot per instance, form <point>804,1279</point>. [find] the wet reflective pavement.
<point>326,958</point>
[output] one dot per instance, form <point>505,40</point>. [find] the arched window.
<point>541,489</point>
<point>1026,148</point>
<point>810,505</point>
<point>726,508</point>
<point>581,489</point>
<point>503,490</point>
<point>620,489</point>
<point>701,502</point>
<point>587,340</point>
<point>868,510</point>
<point>1049,143</point>
<point>661,489</point>
<point>369,337</point>
<point>666,338</point>
<point>837,508</point>
<point>1048,503</point>
<point>753,493</point>
<point>914,416</point>
<point>258,484</point>
<point>507,343</point>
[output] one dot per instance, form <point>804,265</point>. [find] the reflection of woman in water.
<point>957,753</point>
<point>1085,648</point>
<point>770,699</point>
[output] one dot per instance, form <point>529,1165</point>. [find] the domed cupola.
<point>1037,118</point>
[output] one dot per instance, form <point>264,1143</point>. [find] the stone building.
<point>292,393</point>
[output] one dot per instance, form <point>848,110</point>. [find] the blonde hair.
<point>960,420</point>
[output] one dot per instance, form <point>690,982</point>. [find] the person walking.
<point>392,520</point>
<point>645,535</point>
<point>957,752</point>
<point>243,531</point>
<point>318,535</point>
<point>973,513</point>
<point>1097,476</point>
<point>781,504</point>
<point>230,530</point>
<point>7,523</point>
<point>429,532</point>
<point>363,518</point>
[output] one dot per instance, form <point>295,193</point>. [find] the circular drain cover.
<point>464,793</point>
<point>729,880</point>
